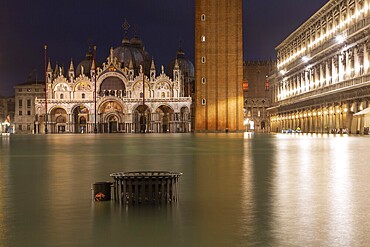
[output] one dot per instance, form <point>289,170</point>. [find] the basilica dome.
<point>187,70</point>
<point>132,50</point>
<point>186,66</point>
<point>84,66</point>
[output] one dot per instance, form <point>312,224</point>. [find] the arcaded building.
<point>127,94</point>
<point>218,66</point>
<point>323,75</point>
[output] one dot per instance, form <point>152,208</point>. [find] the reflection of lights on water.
<point>6,123</point>
<point>248,135</point>
<point>249,122</point>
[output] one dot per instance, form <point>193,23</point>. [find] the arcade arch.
<point>58,120</point>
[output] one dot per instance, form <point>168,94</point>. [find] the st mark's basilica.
<point>127,94</point>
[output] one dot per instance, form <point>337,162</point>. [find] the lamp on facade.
<point>340,39</point>
<point>305,59</point>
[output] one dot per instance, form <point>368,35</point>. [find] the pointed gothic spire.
<point>152,66</point>
<point>111,54</point>
<point>56,70</point>
<point>49,69</point>
<point>176,65</point>
<point>71,67</point>
<point>93,65</point>
<point>131,65</point>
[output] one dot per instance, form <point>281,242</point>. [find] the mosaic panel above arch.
<point>110,106</point>
<point>83,86</point>
<point>81,109</point>
<point>58,111</point>
<point>61,87</point>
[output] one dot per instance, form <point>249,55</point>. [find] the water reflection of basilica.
<point>131,96</point>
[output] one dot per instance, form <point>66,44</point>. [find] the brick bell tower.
<point>218,66</point>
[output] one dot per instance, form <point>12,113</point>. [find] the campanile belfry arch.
<point>218,66</point>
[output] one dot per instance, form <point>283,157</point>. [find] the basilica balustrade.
<point>113,93</point>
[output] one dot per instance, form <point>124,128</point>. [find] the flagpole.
<point>145,120</point>
<point>46,100</point>
<point>94,61</point>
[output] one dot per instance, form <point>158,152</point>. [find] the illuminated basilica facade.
<point>323,79</point>
<point>125,94</point>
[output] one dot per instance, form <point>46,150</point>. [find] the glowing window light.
<point>340,39</point>
<point>329,32</point>
<point>305,59</point>
<point>366,64</point>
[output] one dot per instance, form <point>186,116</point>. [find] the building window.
<point>28,103</point>
<point>28,89</point>
<point>20,127</point>
<point>61,96</point>
<point>203,17</point>
<point>20,90</point>
<point>28,127</point>
<point>83,95</point>
<point>203,38</point>
<point>204,101</point>
<point>204,80</point>
<point>20,103</point>
<point>20,113</point>
<point>29,113</point>
<point>245,86</point>
<point>267,86</point>
<point>203,59</point>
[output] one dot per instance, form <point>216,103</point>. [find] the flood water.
<point>236,190</point>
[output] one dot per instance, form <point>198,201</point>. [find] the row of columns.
<point>177,122</point>
<point>334,119</point>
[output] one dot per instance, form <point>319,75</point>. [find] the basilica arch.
<point>141,119</point>
<point>80,116</point>
<point>58,120</point>
<point>166,118</point>
<point>111,116</point>
<point>112,84</point>
<point>185,120</point>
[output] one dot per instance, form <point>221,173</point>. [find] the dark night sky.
<point>68,27</point>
